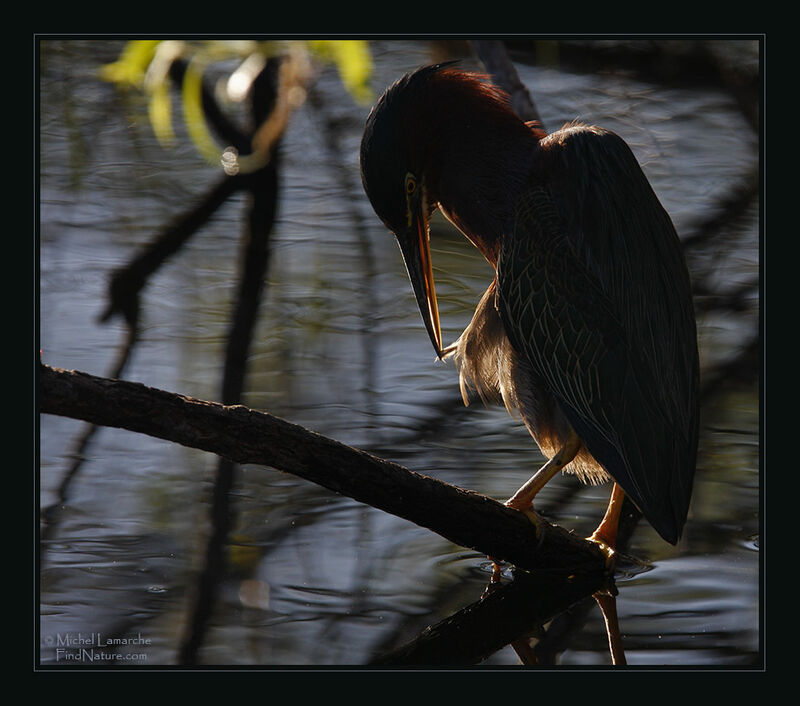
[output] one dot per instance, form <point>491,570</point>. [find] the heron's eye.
<point>411,184</point>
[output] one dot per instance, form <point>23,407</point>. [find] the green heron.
<point>587,329</point>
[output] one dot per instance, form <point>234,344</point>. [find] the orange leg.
<point>606,532</point>
<point>523,498</point>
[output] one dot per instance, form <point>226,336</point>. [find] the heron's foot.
<point>606,546</point>
<point>519,503</point>
<point>526,508</point>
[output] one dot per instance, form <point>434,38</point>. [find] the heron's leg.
<point>523,498</point>
<point>606,532</point>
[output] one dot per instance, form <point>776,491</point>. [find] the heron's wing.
<point>593,289</point>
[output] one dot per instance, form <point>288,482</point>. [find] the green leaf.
<point>130,68</point>
<point>192,95</point>
<point>160,112</point>
<point>353,61</point>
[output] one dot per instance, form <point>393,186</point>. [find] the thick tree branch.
<point>244,435</point>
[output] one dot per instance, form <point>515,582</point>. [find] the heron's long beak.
<point>414,244</point>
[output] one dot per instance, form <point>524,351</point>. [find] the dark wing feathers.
<point>593,289</point>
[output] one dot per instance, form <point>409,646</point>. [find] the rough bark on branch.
<point>244,435</point>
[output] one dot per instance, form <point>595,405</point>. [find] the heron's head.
<point>440,137</point>
<point>397,170</point>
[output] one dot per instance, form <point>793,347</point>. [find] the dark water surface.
<point>316,579</point>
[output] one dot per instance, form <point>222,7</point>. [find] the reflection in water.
<point>314,578</point>
<point>536,616</point>
<point>506,614</point>
<point>608,605</point>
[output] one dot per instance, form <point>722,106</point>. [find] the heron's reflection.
<point>537,615</point>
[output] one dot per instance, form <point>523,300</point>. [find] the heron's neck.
<point>478,188</point>
<point>482,164</point>
<point>488,245</point>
